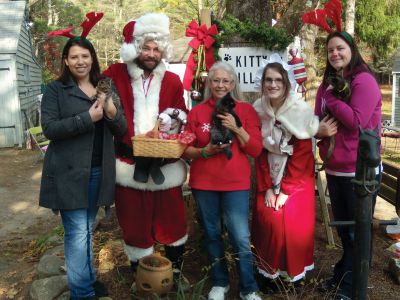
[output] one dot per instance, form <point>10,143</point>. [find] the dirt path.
<point>21,219</point>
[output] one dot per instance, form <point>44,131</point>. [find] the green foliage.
<point>261,35</point>
<point>47,76</point>
<point>378,24</point>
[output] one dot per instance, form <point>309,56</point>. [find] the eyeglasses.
<point>269,81</point>
<point>223,81</point>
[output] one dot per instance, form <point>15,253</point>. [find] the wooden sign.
<point>246,61</point>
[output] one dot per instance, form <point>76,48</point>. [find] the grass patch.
<point>37,247</point>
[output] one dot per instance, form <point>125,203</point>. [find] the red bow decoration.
<point>201,36</point>
<point>87,25</point>
<point>332,9</point>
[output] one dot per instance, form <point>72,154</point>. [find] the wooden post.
<point>205,17</point>
<point>324,209</point>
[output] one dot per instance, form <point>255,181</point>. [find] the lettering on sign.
<point>246,61</point>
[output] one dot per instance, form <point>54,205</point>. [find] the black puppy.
<point>219,134</point>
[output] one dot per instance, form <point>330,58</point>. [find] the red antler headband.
<point>332,9</point>
<point>91,19</point>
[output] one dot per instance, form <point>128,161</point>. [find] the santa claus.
<point>148,198</point>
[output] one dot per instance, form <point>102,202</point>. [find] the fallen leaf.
<point>11,293</point>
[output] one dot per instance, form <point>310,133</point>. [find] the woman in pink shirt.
<point>363,108</point>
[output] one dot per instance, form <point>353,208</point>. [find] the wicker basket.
<point>155,147</point>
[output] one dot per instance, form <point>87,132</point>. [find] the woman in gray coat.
<point>79,165</point>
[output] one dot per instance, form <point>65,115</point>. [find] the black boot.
<point>142,169</point>
<point>133,266</point>
<point>175,255</point>
<point>100,289</point>
<point>155,171</point>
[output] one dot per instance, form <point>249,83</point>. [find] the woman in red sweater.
<point>283,219</point>
<point>220,185</point>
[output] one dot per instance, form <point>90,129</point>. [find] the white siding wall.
<point>28,91</point>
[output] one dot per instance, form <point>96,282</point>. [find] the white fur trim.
<point>294,114</point>
<point>145,107</point>
<point>179,242</point>
<point>285,274</point>
<point>175,175</point>
<point>135,253</point>
<point>128,52</point>
<point>152,22</point>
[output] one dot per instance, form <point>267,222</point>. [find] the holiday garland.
<point>261,35</point>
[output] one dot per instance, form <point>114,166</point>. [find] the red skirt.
<point>284,240</point>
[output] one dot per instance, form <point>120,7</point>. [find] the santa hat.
<point>154,26</point>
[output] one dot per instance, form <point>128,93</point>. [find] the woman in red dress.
<point>283,217</point>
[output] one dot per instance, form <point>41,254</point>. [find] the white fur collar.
<point>175,175</point>
<point>145,107</point>
<point>295,115</point>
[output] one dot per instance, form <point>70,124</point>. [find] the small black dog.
<point>219,134</point>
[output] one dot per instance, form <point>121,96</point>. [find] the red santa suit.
<point>147,212</point>
<point>284,239</point>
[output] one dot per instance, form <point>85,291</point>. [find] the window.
<point>27,76</point>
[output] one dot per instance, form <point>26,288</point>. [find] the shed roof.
<point>396,63</point>
<point>11,16</point>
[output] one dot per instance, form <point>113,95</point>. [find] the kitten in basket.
<point>219,134</point>
<point>171,122</point>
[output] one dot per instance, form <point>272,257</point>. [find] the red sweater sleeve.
<point>300,166</point>
<point>252,126</point>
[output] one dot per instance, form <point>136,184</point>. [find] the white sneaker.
<point>218,292</point>
<point>251,296</point>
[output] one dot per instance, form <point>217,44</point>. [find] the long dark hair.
<point>66,75</point>
<point>356,60</point>
<point>285,77</point>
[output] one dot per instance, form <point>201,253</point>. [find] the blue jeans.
<point>78,233</point>
<point>233,209</point>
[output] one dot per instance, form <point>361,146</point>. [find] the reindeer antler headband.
<point>333,10</point>
<point>91,19</point>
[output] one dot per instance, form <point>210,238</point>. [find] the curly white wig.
<point>149,27</point>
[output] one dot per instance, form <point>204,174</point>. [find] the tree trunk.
<point>307,35</point>
<point>350,12</point>
<point>258,11</point>
<point>221,8</point>
<point>291,21</point>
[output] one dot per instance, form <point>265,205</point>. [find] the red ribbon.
<point>201,36</point>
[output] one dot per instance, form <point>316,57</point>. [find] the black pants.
<point>343,201</point>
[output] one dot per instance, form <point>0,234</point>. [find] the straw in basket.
<point>155,147</point>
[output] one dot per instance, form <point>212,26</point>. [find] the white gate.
<point>9,112</point>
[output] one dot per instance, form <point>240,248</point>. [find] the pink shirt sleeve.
<point>364,99</point>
